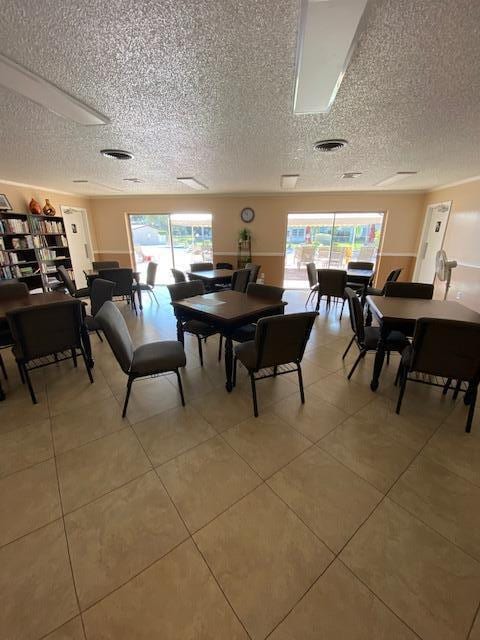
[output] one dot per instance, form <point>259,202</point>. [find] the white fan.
<point>443,269</point>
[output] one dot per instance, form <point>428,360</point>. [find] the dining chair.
<point>409,290</point>
<point>150,359</point>
<point>312,280</point>
<point>358,265</point>
<point>101,291</point>
<point>201,266</point>
<point>105,264</point>
<point>149,285</point>
<point>366,338</point>
<point>279,345</point>
<point>392,277</point>
<point>444,348</point>
<point>45,330</point>
<point>70,285</point>
<point>123,279</point>
<point>9,290</point>
<point>240,280</point>
<point>332,283</point>
<point>254,271</point>
<point>201,330</point>
<point>224,265</point>
<point>178,275</point>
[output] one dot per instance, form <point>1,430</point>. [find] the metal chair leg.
<point>403,384</point>
<point>300,383</point>
<point>200,351</point>
<point>471,410</point>
<point>234,372</point>
<point>446,386</point>
<point>29,384</point>
<point>87,365</point>
<point>20,371</point>
<point>127,396</point>
<point>153,292</point>
<point>180,387</point>
<point>99,335</point>
<point>457,389</point>
<point>254,395</point>
<point>74,357</point>
<point>220,347</point>
<point>343,305</point>
<point>348,348</point>
<point>2,367</point>
<point>361,355</point>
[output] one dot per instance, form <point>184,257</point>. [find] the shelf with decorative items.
<point>51,247</point>
<point>18,257</point>
<point>244,252</point>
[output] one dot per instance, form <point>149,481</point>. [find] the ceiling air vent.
<point>327,146</point>
<point>116,154</point>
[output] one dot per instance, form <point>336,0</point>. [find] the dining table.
<point>401,314</point>
<point>227,311</point>
<point>362,277</point>
<point>37,299</point>
<point>211,277</point>
<point>91,274</point>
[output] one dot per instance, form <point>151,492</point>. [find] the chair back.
<point>67,281</point>
<point>447,348</point>
<point>240,280</point>
<point>357,320</point>
<point>122,277</point>
<point>312,274</point>
<point>265,291</point>
<point>360,266</point>
<point>41,330</point>
<point>282,339</point>
<point>105,264</point>
<point>151,273</point>
<point>224,265</point>
<point>100,291</point>
<point>392,277</point>
<point>115,329</point>
<point>201,266</point>
<point>409,290</point>
<point>254,271</point>
<point>332,282</point>
<point>178,275</point>
<point>182,290</point>
<point>10,290</point>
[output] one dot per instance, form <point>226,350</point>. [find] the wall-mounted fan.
<point>443,269</point>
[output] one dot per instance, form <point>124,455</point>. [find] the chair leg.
<point>343,305</point>
<point>446,386</point>
<point>74,357</point>
<point>153,292</point>
<point>254,395</point>
<point>275,369</point>
<point>234,372</point>
<point>348,348</point>
<point>361,355</point>
<point>300,383</point>
<point>471,410</point>
<point>403,384</point>
<point>220,347</point>
<point>2,367</point>
<point>180,387</point>
<point>200,351</point>
<point>29,384</point>
<point>87,366</point>
<point>388,357</point>
<point>457,389</point>
<point>99,335</point>
<point>127,396</point>
<point>134,304</point>
<point>20,371</point>
<point>308,297</point>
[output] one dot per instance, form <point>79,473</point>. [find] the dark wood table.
<point>91,274</point>
<point>213,276</point>
<point>360,276</point>
<point>226,310</point>
<point>36,299</point>
<point>401,314</point>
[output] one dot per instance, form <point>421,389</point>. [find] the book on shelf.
<point>13,225</point>
<point>22,243</point>
<point>2,243</point>
<point>39,225</point>
<point>55,241</point>
<point>15,271</point>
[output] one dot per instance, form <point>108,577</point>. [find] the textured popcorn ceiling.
<point>205,88</point>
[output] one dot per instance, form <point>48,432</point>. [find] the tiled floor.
<point>334,520</point>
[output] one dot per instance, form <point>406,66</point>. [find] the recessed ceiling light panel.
<point>400,175</point>
<point>192,183</point>
<point>134,180</point>
<point>350,175</point>
<point>327,146</point>
<point>116,154</point>
<point>289,181</point>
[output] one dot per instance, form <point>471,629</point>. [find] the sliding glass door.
<point>171,240</point>
<point>330,240</point>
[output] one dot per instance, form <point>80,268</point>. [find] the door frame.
<point>426,223</point>
<point>65,209</point>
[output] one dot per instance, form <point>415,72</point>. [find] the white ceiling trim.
<point>34,186</point>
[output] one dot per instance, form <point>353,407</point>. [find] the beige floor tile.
<point>18,410</point>
<point>120,534</point>
<point>314,419</point>
<point>475,633</point>
<point>223,411</point>
<point>195,382</point>
<point>263,557</point>
<point>330,359</point>
<point>456,450</point>
<point>267,443</point>
<point>367,450</point>
<point>342,393</point>
<point>36,586</point>
<point>73,390</point>
<point>270,390</point>
<point>311,372</point>
<point>177,598</point>
<point>72,630</point>
<point>340,607</point>
<point>74,428</point>
<point>95,468</point>
<point>29,499</point>
<point>170,433</point>
<point>148,398</point>
<point>24,447</point>
<point>442,500</point>
<point>206,480</point>
<point>427,581</point>
<point>328,497</point>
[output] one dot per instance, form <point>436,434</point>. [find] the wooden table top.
<point>212,274</point>
<point>408,309</point>
<point>31,300</point>
<point>361,273</point>
<point>95,272</point>
<point>227,306</point>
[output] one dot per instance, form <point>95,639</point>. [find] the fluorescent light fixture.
<point>327,37</point>
<point>192,183</point>
<point>350,175</point>
<point>400,175</point>
<point>15,77</point>
<point>289,181</point>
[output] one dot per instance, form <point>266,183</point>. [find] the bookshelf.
<point>51,248</point>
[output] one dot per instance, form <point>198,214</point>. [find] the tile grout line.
<point>477,615</point>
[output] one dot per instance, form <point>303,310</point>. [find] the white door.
<point>78,236</point>
<point>433,234</point>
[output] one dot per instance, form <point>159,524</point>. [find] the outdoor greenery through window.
<point>171,240</point>
<point>330,240</point>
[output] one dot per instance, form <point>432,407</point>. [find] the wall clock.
<point>247,214</point>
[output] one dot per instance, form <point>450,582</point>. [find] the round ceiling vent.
<point>116,154</point>
<point>327,146</point>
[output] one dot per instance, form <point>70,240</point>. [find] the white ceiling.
<point>205,88</point>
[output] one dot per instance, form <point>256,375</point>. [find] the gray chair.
<point>409,290</point>
<point>101,292</point>
<point>178,275</point>
<point>240,280</point>
<point>332,283</point>
<point>149,359</point>
<point>312,281</point>
<point>279,341</point>
<point>124,286</point>
<point>254,271</point>
<point>392,277</point>
<point>47,330</point>
<point>357,265</point>
<point>149,285</point>
<point>105,264</point>
<point>8,290</point>
<point>70,285</point>
<point>201,266</point>
<point>201,330</point>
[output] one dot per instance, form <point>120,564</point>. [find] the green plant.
<point>244,235</point>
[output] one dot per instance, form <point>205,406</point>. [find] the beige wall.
<point>462,241</point>
<point>403,221</point>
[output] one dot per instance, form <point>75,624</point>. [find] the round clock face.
<point>247,214</point>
